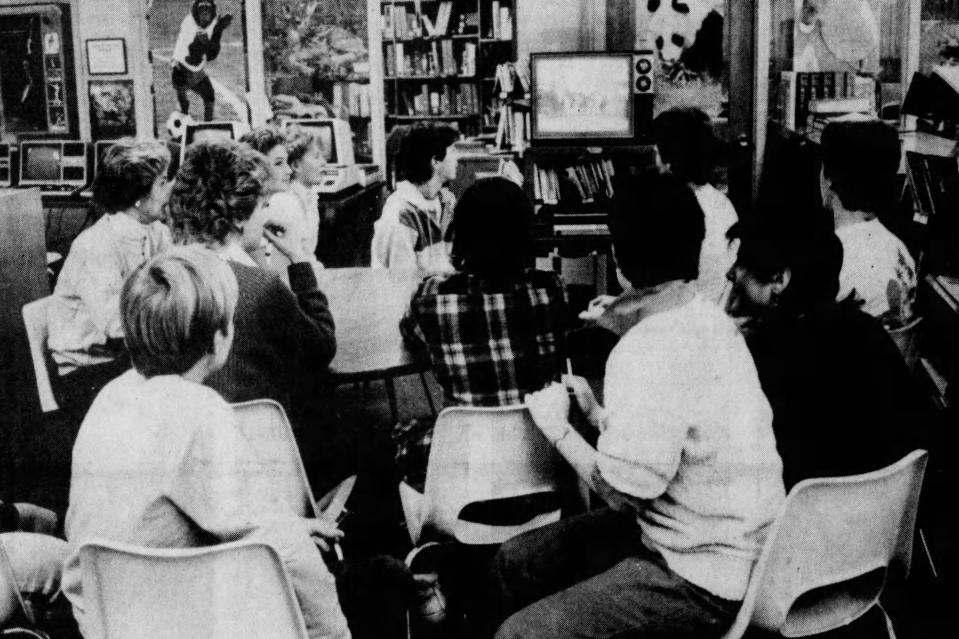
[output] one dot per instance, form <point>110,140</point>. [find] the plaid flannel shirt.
<point>490,342</point>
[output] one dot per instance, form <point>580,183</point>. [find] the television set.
<point>214,131</point>
<point>333,135</point>
<point>583,97</point>
<point>53,164</point>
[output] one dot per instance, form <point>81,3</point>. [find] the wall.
<point>118,19</point>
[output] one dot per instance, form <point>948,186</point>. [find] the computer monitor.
<point>6,165</point>
<point>208,132</point>
<point>333,135</point>
<point>579,97</point>
<point>53,164</point>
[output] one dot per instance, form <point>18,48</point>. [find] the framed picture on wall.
<point>106,56</point>
<point>112,114</point>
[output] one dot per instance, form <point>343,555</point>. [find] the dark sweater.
<point>283,341</point>
<point>843,400</point>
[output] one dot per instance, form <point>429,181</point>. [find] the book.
<point>388,22</point>
<point>494,19</point>
<point>505,24</point>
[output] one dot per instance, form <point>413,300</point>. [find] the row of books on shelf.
<point>401,22</point>
<point>440,60</point>
<point>446,100</point>
<point>512,129</point>
<point>799,89</point>
<point>587,180</point>
<point>502,22</point>
<point>353,98</point>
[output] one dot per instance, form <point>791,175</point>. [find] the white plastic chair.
<point>481,454</point>
<point>264,425</point>
<point>35,320</point>
<point>238,590</point>
<point>833,549</point>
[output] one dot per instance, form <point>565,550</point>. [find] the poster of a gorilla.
<point>198,59</point>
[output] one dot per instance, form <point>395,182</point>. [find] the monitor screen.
<point>208,132</point>
<point>322,132</point>
<point>41,161</point>
<point>582,95</point>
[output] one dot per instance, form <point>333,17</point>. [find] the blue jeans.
<point>590,576</point>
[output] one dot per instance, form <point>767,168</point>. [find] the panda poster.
<point>688,37</point>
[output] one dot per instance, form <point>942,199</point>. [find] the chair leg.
<point>889,629</point>
<point>429,396</point>
<point>925,549</point>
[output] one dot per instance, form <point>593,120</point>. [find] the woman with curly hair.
<point>284,337</point>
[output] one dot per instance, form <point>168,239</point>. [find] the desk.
<point>367,305</point>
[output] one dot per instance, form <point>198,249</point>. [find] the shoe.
<point>430,602</point>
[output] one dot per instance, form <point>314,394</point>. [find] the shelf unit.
<point>439,64</point>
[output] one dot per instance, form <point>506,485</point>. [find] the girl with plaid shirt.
<point>495,329</point>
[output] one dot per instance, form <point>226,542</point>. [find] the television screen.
<point>208,132</point>
<point>582,95</point>
<point>41,161</point>
<point>323,133</point>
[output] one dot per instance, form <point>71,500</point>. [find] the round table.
<point>367,305</point>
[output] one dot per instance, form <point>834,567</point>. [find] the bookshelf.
<point>573,185</point>
<point>440,59</point>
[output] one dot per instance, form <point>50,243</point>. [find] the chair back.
<point>833,549</point>
<point>35,320</point>
<point>280,471</point>
<point>906,339</point>
<point>481,454</point>
<point>264,425</point>
<point>238,590</point>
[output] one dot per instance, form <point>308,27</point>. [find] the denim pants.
<point>591,576</point>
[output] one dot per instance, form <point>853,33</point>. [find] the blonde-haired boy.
<point>158,460</point>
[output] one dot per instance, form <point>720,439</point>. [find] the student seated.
<point>36,559</point>
<point>271,142</point>
<point>86,338</point>
<point>414,228</point>
<point>306,163</point>
<point>843,400</point>
<point>687,147</point>
<point>686,460</point>
<point>494,330</point>
<point>859,165</point>
<point>158,460</point>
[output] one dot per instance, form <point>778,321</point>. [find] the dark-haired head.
<point>657,228</point>
<point>420,147</point>
<point>218,187</point>
<point>491,229</point>
<point>790,265</point>
<point>859,164</point>
<point>686,143</point>
<point>128,172</point>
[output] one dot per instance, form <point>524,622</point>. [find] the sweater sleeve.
<point>308,322</point>
<point>99,285</point>
<point>213,486</point>
<point>394,243</point>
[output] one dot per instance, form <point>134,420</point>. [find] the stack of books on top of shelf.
<point>445,100</point>
<point>512,129</point>
<point>511,80</point>
<point>822,112</point>
<point>797,89</point>
<point>589,180</point>
<point>502,22</point>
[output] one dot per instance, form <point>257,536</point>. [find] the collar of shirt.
<point>128,231</point>
<point>414,196</point>
<point>233,252</point>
